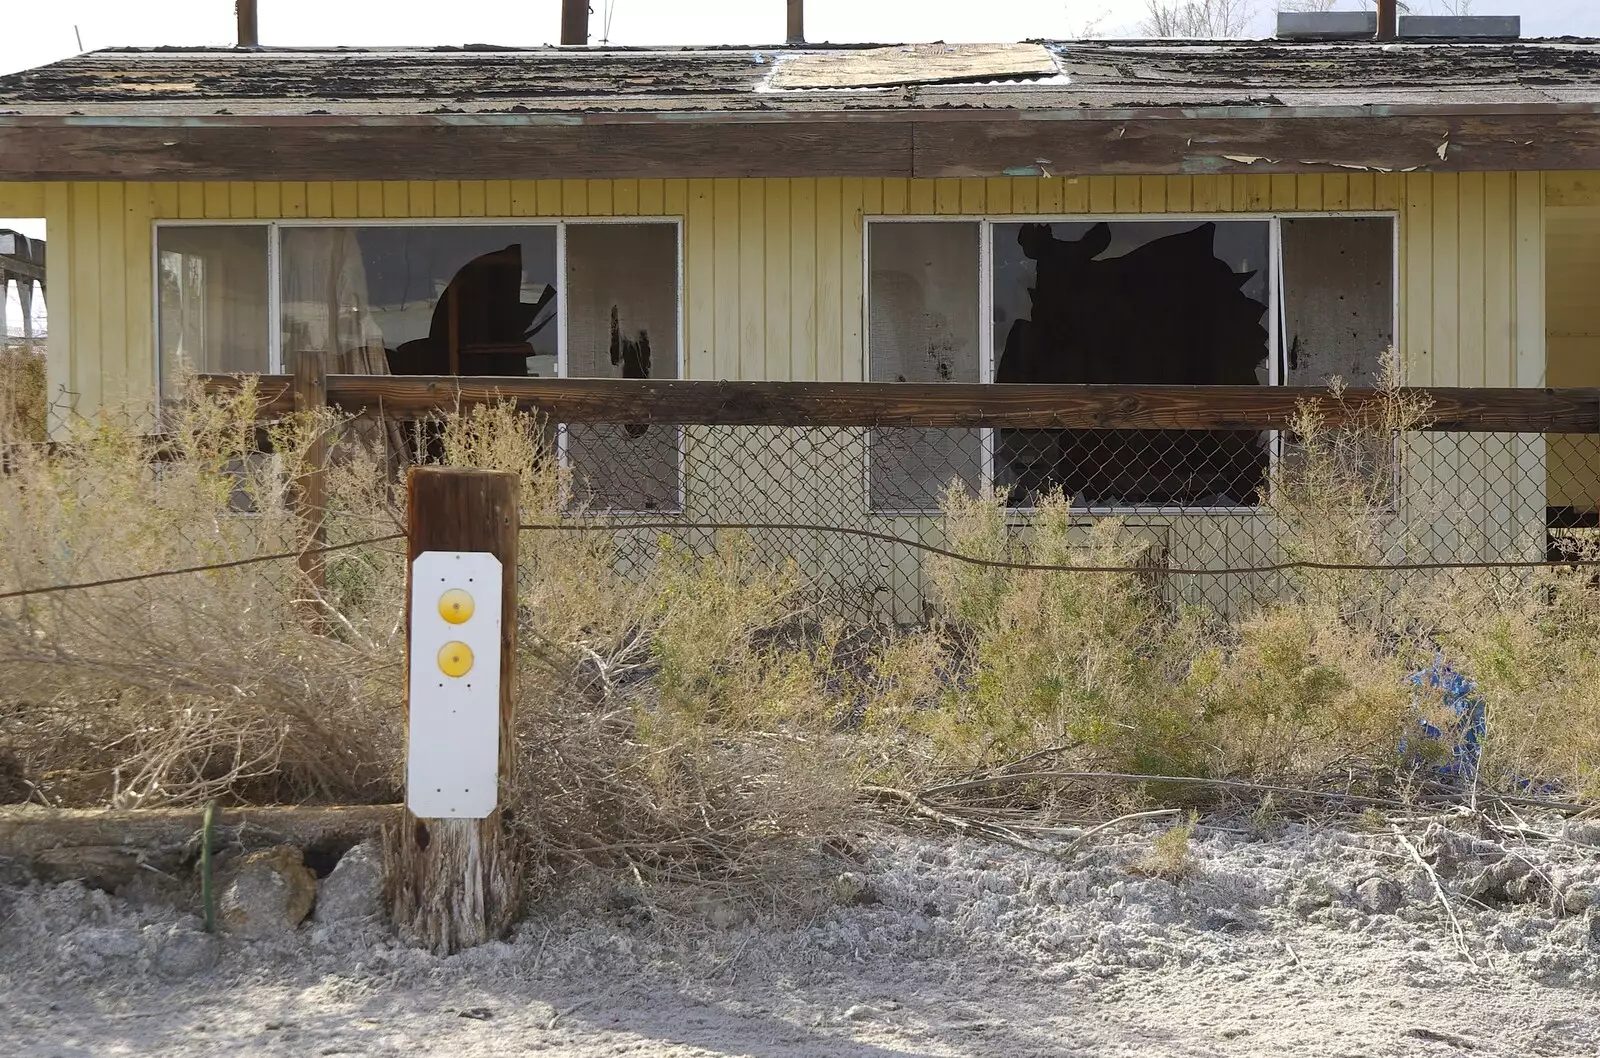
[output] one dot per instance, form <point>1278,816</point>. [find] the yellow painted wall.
<point>1573,335</point>
<point>773,268</point>
<point>773,282</point>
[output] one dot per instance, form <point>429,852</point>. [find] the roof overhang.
<point>949,142</point>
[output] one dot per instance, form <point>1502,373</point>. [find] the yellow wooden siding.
<point>1572,252</point>
<point>773,268</point>
<point>773,276</point>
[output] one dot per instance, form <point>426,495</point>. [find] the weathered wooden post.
<point>1387,11</point>
<point>310,493</point>
<point>453,878</point>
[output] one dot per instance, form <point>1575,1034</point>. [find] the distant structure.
<point>21,262</point>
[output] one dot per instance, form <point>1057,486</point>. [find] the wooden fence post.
<point>456,883</point>
<point>310,493</point>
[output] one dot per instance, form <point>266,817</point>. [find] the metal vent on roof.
<point>1327,25</point>
<point>1456,27</point>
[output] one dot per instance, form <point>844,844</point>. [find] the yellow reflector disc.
<point>455,606</point>
<point>455,659</point>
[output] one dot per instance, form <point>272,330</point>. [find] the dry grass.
<point>1532,645</point>
<point>657,736</point>
<point>692,716</point>
<point>1169,856</point>
<point>179,689</point>
<point>1095,671</point>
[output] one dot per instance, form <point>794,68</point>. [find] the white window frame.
<point>986,339</point>
<point>275,364</point>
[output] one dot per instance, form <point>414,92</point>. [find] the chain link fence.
<point>1206,515</point>
<point>1224,519</point>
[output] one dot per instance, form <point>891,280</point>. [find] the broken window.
<point>1131,302</point>
<point>442,299</point>
<point>922,326</point>
<point>1137,303</point>
<point>622,322</point>
<point>212,304</point>
<point>422,300</point>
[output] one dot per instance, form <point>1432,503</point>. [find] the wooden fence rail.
<point>947,404</point>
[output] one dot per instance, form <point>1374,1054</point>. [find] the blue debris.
<point>1468,730</point>
<point>1471,724</point>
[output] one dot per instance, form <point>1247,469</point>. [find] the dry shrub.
<point>1531,644</point>
<point>1169,857</point>
<point>1297,693</point>
<point>692,715</point>
<point>177,689</point>
<point>1097,670</point>
<point>663,733</point>
<point>712,660</point>
<point>656,731</point>
<point>1053,658</point>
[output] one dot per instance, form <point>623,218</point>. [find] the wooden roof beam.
<point>864,145</point>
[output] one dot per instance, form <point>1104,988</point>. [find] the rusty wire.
<point>889,538</point>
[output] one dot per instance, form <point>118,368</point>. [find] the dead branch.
<point>914,804</point>
<point>1438,889</point>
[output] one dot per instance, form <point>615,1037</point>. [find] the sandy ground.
<point>1272,947</point>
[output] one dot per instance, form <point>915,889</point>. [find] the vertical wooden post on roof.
<point>797,22</point>
<point>456,883</point>
<point>310,493</point>
<point>1388,16</point>
<point>249,35</point>
<point>575,22</point>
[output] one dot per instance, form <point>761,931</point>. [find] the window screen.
<point>1338,299</point>
<point>622,322</point>
<point>212,314</point>
<point>1338,322</point>
<point>922,326</point>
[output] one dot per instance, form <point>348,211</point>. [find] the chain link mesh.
<point>856,510</point>
<point>1202,510</point>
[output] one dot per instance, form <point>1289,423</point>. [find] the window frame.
<point>275,363</point>
<point>986,338</point>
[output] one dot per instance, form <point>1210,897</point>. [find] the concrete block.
<point>1327,25</point>
<point>1456,27</point>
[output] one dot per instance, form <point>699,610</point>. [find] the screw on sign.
<point>455,659</point>
<point>456,606</point>
<point>453,740</point>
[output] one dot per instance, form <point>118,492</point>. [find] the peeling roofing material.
<point>1094,75</point>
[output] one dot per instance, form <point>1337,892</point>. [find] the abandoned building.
<point>1267,213</point>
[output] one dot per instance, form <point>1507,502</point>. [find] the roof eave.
<point>912,142</point>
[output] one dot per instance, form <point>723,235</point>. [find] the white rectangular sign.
<point>453,740</point>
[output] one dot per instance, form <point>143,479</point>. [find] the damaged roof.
<point>1136,108</point>
<point>1050,75</point>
